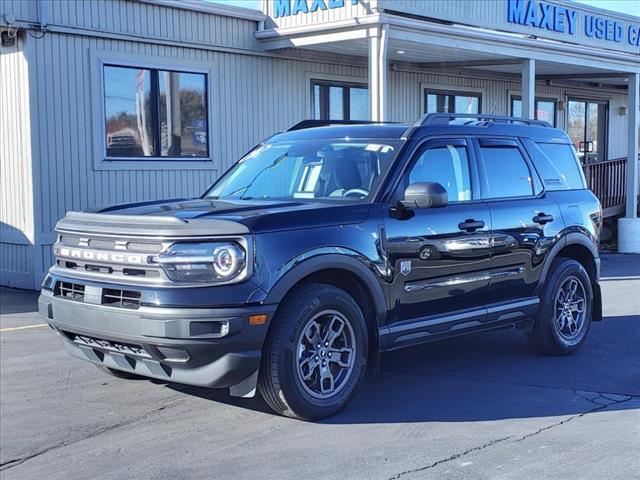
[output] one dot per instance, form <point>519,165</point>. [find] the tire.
<point>559,328</point>
<point>120,374</point>
<point>296,347</point>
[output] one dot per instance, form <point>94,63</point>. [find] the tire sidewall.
<point>300,401</point>
<point>563,270</point>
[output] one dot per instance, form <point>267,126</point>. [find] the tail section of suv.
<point>328,244</point>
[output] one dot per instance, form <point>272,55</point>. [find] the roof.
<point>536,133</point>
<point>232,11</point>
<point>376,130</point>
<point>396,131</point>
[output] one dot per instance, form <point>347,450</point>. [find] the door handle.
<point>543,218</point>
<point>471,225</point>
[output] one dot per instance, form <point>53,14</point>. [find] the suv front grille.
<point>111,259</point>
<point>111,297</point>
<point>112,244</point>
<point>120,298</point>
<point>72,291</point>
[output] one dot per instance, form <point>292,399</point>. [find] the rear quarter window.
<point>558,166</point>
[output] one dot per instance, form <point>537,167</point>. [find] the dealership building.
<point>113,101</point>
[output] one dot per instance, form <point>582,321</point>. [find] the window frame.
<point>553,100</point>
<point>485,190</point>
<point>99,59</point>
<point>600,100</point>
<point>324,85</point>
<point>467,92</point>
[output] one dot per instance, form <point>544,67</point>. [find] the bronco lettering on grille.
<point>110,257</point>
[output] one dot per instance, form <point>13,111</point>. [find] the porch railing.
<point>607,181</point>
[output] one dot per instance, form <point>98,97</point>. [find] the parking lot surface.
<point>484,406</point>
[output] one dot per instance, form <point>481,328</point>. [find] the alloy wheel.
<point>570,308</point>
<point>326,354</point>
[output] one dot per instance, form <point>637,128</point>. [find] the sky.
<point>631,7</point>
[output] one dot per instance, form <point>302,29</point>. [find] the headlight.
<point>203,262</point>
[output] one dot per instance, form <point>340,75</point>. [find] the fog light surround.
<point>174,354</point>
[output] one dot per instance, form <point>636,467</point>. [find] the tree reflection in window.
<point>155,113</point>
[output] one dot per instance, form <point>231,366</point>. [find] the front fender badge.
<point>405,267</point>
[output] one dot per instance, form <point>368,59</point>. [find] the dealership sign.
<point>285,8</point>
<point>561,19</point>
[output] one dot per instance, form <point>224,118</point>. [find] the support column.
<point>378,74</point>
<point>629,226</point>
<point>528,89</point>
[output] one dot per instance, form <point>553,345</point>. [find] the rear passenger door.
<point>524,219</point>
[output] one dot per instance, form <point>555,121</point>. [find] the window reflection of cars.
<point>122,138</point>
<point>124,143</point>
<point>198,130</point>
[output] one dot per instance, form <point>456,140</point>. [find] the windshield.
<point>347,170</point>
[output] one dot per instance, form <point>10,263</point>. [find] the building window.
<point>437,101</point>
<point>155,113</point>
<point>545,109</point>
<point>340,101</point>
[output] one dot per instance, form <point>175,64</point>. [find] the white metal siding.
<point>26,10</point>
<point>17,265</point>
<point>16,187</point>
<point>140,20</point>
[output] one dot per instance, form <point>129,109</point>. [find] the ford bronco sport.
<point>328,244</point>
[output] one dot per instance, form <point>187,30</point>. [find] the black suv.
<point>328,244</point>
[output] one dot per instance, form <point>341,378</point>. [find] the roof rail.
<point>325,123</point>
<point>445,119</point>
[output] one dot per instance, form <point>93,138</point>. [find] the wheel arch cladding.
<point>578,247</point>
<point>348,274</point>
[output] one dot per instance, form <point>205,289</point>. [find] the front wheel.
<point>565,312</point>
<point>316,353</point>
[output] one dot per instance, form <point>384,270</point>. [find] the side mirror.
<point>425,195</point>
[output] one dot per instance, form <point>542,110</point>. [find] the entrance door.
<point>587,128</point>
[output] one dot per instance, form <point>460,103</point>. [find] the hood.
<point>256,215</point>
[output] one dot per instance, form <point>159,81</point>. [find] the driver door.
<point>439,257</point>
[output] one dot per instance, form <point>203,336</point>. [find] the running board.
<point>436,327</point>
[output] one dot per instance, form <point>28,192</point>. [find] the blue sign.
<point>285,8</point>
<point>561,19</point>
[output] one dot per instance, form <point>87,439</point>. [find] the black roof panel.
<point>376,130</point>
<point>538,134</point>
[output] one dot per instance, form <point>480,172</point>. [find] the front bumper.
<point>194,346</point>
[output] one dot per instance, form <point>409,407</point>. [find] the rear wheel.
<point>565,311</point>
<point>316,353</point>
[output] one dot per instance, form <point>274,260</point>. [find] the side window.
<point>559,167</point>
<point>507,172</point>
<point>447,165</point>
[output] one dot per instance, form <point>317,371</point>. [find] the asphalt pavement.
<point>480,407</point>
